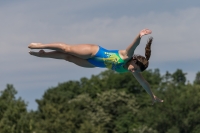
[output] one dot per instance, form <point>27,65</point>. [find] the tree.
<point>179,113</point>
<point>197,79</point>
<point>179,77</point>
<point>111,111</point>
<point>107,103</point>
<point>13,113</point>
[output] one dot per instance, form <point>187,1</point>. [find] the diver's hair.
<point>143,62</point>
<point>148,48</point>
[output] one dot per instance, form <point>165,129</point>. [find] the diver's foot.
<point>35,45</point>
<point>145,32</point>
<point>39,54</point>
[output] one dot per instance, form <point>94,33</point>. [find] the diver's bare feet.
<point>34,45</point>
<point>39,54</point>
<point>145,32</point>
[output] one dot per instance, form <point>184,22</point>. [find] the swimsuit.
<point>109,59</point>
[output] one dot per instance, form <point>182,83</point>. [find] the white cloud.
<point>111,24</point>
<point>175,33</point>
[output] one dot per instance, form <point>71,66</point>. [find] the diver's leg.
<point>83,51</point>
<point>59,55</point>
<point>53,54</point>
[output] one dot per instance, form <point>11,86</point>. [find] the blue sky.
<point>112,24</point>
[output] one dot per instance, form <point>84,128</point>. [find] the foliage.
<point>13,113</point>
<point>108,103</point>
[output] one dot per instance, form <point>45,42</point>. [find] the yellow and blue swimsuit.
<point>109,59</point>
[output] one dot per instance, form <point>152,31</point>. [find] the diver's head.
<point>139,63</point>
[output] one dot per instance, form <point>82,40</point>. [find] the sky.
<point>112,24</point>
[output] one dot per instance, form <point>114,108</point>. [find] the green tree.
<point>107,103</point>
<point>70,108</point>
<point>112,111</point>
<point>179,77</point>
<point>179,113</point>
<point>197,79</point>
<point>54,114</point>
<point>13,113</point>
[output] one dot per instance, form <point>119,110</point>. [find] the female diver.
<point>91,55</point>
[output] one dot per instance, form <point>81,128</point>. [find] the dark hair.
<point>143,62</point>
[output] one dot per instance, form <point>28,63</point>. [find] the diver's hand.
<point>145,32</point>
<point>155,99</point>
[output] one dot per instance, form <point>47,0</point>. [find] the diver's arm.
<point>146,86</point>
<point>131,48</point>
<point>143,83</point>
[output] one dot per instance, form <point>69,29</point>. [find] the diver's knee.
<point>65,47</point>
